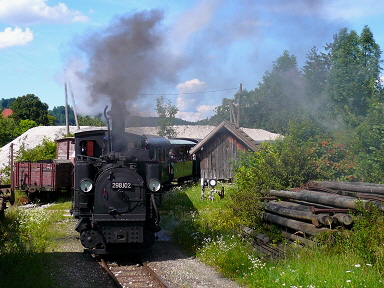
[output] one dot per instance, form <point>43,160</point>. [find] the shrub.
<point>332,161</point>
<point>45,151</point>
<point>280,165</point>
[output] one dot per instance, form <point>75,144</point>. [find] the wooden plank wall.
<point>65,148</point>
<point>217,153</point>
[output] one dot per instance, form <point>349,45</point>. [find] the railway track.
<point>131,273</point>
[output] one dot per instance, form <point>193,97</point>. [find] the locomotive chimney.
<point>118,114</point>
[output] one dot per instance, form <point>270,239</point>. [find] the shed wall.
<point>65,148</point>
<point>217,153</point>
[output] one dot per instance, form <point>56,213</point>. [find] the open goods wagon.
<point>46,179</point>
<point>35,177</point>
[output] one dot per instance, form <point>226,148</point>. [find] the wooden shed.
<point>223,144</point>
<point>65,148</point>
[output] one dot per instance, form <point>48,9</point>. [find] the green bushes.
<point>45,151</point>
<point>24,230</point>
<point>26,234</point>
<point>206,229</point>
<point>283,164</point>
<point>364,241</point>
<point>332,161</point>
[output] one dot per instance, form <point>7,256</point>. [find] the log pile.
<point>320,206</point>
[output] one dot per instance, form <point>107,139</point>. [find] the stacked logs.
<point>320,206</point>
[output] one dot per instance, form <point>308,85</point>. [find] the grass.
<point>25,237</point>
<point>207,229</point>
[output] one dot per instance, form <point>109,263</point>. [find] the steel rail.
<point>137,275</point>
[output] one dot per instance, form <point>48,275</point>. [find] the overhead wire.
<point>201,92</point>
<point>42,70</point>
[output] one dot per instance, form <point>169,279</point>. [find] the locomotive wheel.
<point>91,239</point>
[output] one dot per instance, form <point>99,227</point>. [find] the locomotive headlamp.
<point>86,185</point>
<point>154,185</point>
<point>212,182</point>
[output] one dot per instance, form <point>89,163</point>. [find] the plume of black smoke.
<point>125,58</point>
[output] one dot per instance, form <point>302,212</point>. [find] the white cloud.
<point>186,101</point>
<point>203,111</point>
<point>190,86</point>
<point>15,37</point>
<point>27,12</point>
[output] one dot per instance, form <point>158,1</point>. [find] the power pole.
<point>231,113</point>
<point>66,106</point>
<point>74,106</point>
<point>238,107</point>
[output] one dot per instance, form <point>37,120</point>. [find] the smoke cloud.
<point>221,43</point>
<point>126,57</point>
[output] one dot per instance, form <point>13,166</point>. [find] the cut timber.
<point>360,187</point>
<point>302,240</point>
<point>343,219</point>
<point>316,220</point>
<point>307,228</point>
<point>262,237</point>
<point>293,205</point>
<point>361,195</point>
<point>325,198</point>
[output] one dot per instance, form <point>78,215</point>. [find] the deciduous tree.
<point>166,114</point>
<point>30,107</point>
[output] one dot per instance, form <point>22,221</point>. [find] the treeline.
<point>330,112</point>
<point>337,88</point>
<point>29,111</point>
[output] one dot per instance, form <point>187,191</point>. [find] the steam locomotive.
<point>118,183</point>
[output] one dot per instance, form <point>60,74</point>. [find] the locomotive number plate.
<point>121,185</point>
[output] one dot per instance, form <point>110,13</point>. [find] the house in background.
<point>223,145</point>
<point>7,112</point>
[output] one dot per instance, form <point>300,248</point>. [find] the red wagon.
<point>46,179</point>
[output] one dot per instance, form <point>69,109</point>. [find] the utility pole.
<point>231,113</point>
<point>238,107</point>
<point>74,105</point>
<point>66,105</point>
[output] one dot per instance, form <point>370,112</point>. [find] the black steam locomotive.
<point>119,178</point>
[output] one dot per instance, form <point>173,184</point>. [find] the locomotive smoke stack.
<point>118,114</point>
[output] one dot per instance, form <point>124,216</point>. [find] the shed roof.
<point>232,128</point>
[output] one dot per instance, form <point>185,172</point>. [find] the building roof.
<point>7,112</point>
<point>250,143</point>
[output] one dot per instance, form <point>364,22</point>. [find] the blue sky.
<point>203,49</point>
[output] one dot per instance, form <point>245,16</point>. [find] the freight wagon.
<point>34,177</point>
<point>46,180</point>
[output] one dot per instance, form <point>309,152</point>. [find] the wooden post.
<point>66,107</point>
<point>239,103</point>
<point>74,106</point>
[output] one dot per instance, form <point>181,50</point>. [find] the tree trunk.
<point>302,240</point>
<point>307,228</point>
<point>325,198</point>
<point>316,220</point>
<point>350,186</point>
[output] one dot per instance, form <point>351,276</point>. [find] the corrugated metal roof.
<point>181,142</point>
<point>241,135</point>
